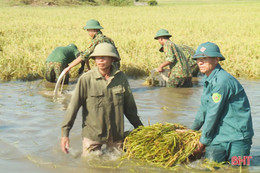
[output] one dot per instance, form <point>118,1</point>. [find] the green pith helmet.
<point>72,45</point>
<point>93,24</point>
<point>162,33</point>
<point>208,49</point>
<point>105,49</point>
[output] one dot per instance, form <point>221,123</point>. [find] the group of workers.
<point>105,96</point>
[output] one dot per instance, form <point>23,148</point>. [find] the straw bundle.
<point>161,144</point>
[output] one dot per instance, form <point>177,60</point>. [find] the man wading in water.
<point>105,96</point>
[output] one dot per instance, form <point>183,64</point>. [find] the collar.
<point>162,46</point>
<point>208,79</point>
<point>99,32</point>
<point>98,75</point>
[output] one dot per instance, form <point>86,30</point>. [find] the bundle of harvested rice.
<point>161,144</point>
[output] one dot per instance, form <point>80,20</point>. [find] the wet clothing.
<point>88,145</point>
<point>189,52</point>
<point>58,60</point>
<point>98,38</point>
<point>226,150</point>
<point>104,104</point>
<point>224,112</point>
<point>53,71</point>
<point>180,72</point>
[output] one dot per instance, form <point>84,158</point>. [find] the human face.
<point>92,32</point>
<point>161,40</point>
<point>104,62</point>
<point>207,65</point>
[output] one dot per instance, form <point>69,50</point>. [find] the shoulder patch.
<point>216,97</point>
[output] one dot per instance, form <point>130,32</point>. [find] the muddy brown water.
<point>30,126</point>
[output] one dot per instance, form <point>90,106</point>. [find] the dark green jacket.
<point>104,104</point>
<point>225,111</point>
<point>64,55</point>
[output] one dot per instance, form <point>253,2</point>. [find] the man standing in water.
<point>224,112</point>
<point>105,96</point>
<point>180,75</point>
<point>93,27</point>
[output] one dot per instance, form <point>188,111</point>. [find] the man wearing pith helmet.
<point>94,30</point>
<point>180,75</point>
<point>105,96</point>
<point>224,113</point>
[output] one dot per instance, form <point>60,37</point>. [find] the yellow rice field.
<point>29,34</point>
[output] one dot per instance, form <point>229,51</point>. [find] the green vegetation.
<point>29,34</point>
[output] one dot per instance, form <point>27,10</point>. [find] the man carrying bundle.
<point>224,112</point>
<point>93,27</point>
<point>105,96</point>
<point>180,75</point>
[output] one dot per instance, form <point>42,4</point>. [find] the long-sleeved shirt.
<point>179,65</point>
<point>63,55</point>
<point>98,38</point>
<point>104,104</point>
<point>225,111</point>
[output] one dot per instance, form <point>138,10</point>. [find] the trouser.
<point>225,151</point>
<point>89,145</point>
<point>53,71</point>
<point>175,82</point>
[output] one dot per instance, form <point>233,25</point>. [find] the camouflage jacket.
<point>179,65</point>
<point>98,38</point>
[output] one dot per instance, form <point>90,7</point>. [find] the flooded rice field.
<point>30,126</point>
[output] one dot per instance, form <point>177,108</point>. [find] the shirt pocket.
<point>96,98</point>
<point>118,95</point>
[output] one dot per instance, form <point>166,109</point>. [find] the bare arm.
<point>164,64</point>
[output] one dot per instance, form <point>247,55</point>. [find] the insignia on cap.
<point>202,49</point>
<point>216,97</point>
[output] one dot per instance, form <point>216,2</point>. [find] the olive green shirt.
<point>104,104</point>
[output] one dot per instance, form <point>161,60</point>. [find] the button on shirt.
<point>104,104</point>
<point>225,111</point>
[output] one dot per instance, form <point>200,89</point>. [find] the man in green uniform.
<point>224,112</point>
<point>58,60</point>
<point>93,27</point>
<point>105,96</point>
<point>189,52</point>
<point>180,75</point>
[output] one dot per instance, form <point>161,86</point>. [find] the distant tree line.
<point>84,2</point>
